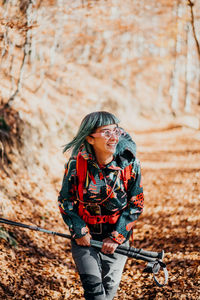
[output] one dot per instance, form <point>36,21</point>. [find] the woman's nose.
<point>114,137</point>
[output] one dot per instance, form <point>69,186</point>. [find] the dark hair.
<point>88,125</point>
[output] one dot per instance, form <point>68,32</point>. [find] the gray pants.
<point>100,273</point>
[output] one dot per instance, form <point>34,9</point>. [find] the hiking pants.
<point>100,273</point>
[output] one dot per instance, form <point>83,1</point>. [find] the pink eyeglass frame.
<point>98,134</point>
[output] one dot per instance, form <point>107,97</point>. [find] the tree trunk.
<point>175,76</point>
<point>192,20</point>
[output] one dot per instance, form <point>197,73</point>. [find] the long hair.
<point>88,125</point>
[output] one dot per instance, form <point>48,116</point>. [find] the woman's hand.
<point>84,240</point>
<point>109,246</point>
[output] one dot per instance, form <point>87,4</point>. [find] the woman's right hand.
<point>84,240</point>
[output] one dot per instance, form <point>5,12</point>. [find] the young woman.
<point>101,198</point>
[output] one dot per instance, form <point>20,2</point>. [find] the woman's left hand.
<point>109,246</point>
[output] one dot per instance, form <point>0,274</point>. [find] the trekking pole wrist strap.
<point>154,271</point>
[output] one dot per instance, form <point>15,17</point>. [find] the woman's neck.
<point>104,160</point>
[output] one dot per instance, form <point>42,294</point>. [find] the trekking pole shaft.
<point>128,251</point>
<point>36,228</point>
<point>132,252</point>
<point>151,254</point>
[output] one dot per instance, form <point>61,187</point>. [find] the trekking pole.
<point>148,256</point>
<point>128,251</point>
<point>36,228</point>
<point>154,259</point>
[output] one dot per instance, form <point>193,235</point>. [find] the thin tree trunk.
<point>192,21</point>
<point>188,70</point>
<point>175,76</point>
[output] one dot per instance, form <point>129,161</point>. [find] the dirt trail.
<point>171,172</point>
<point>42,268</point>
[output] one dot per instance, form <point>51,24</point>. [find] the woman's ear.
<point>90,140</point>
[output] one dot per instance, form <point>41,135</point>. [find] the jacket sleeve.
<point>134,208</point>
<point>67,202</point>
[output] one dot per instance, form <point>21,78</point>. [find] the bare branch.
<point>26,5</point>
<point>191,4</point>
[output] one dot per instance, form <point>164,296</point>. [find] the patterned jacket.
<point>99,182</point>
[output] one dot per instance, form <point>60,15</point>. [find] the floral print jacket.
<point>99,182</point>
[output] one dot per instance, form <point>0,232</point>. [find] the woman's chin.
<point>111,149</point>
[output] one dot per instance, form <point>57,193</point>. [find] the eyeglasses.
<point>117,132</point>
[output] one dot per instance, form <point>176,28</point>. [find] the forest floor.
<point>41,266</point>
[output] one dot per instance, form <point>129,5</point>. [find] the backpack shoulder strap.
<point>126,175</point>
<point>81,171</point>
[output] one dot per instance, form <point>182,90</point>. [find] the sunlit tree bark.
<point>175,77</point>
<point>189,74</point>
<point>192,21</point>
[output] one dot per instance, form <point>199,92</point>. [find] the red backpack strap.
<point>126,175</point>
<point>81,171</point>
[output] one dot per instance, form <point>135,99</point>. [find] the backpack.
<point>81,171</point>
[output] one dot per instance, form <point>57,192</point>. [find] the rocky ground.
<point>41,266</point>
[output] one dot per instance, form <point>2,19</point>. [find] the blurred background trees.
<point>136,57</point>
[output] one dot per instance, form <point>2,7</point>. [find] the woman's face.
<point>105,139</point>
